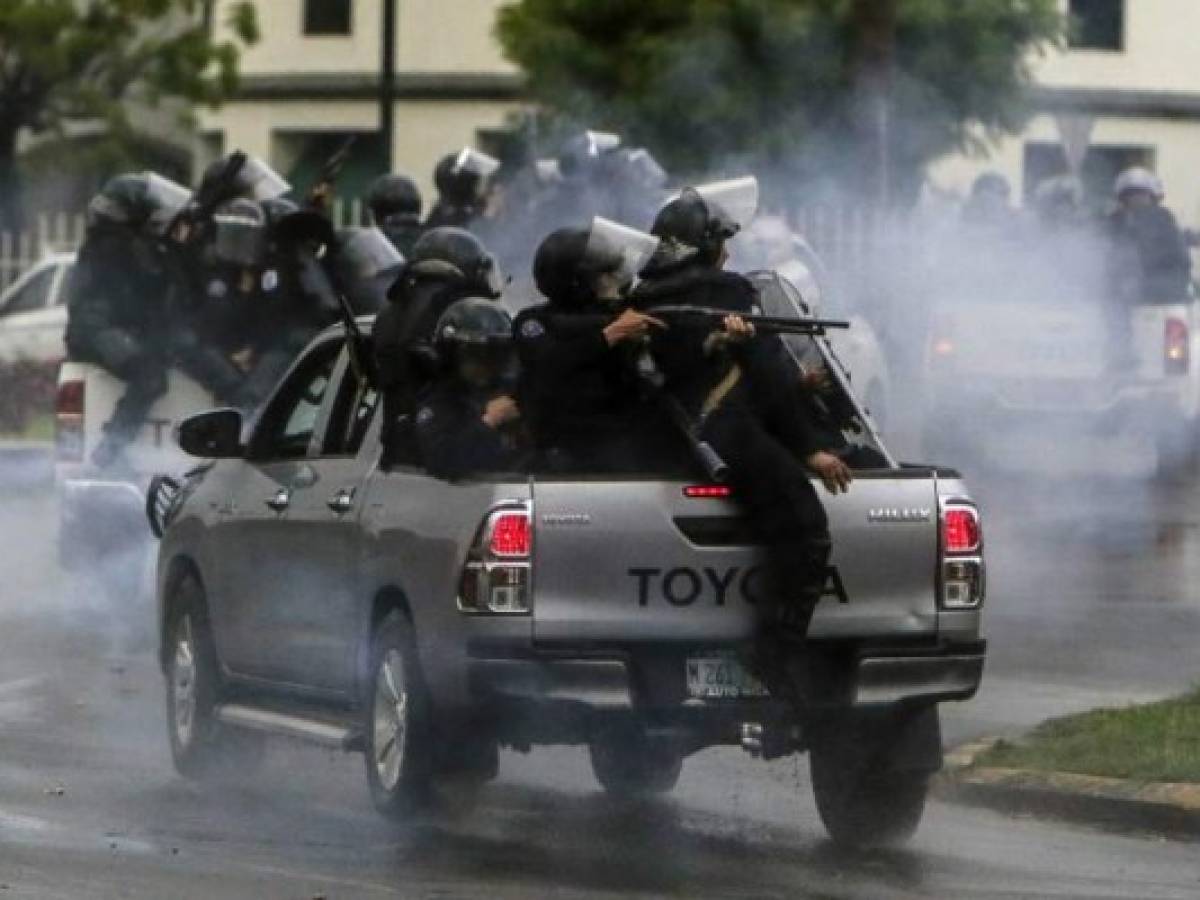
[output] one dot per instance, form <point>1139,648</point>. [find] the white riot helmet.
<point>1138,178</point>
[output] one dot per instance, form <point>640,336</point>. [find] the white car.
<point>33,312</point>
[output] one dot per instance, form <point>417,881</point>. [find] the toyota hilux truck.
<point>306,592</point>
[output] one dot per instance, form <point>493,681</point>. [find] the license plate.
<point>721,677</point>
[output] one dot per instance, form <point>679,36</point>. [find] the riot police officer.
<point>117,298</point>
<point>466,422</point>
<point>579,382</point>
<point>221,311</point>
<point>743,401</point>
<point>447,264</point>
<point>461,179</point>
<point>395,204</point>
<point>1151,260</point>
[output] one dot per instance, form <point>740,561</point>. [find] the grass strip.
<point>1157,741</point>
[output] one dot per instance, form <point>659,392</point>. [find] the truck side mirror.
<point>216,434</point>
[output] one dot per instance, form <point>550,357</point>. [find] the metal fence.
<point>846,238</point>
<point>60,232</point>
<point>63,233</point>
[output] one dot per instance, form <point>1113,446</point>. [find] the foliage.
<point>785,85</point>
<point>82,63</point>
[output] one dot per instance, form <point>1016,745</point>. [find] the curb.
<point>1112,803</point>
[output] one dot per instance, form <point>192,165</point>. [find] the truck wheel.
<point>200,746</point>
<point>628,764</point>
<point>862,806</point>
<point>397,722</point>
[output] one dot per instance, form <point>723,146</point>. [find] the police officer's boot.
<point>110,451</point>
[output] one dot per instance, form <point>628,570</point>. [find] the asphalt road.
<point>1092,601</point>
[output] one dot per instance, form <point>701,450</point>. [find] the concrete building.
<point>313,79</point>
<point>1126,90</point>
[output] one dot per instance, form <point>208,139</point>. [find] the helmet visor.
<point>239,239</point>
<point>492,276</point>
<point>612,247</point>
<point>472,161</point>
<point>600,142</point>
<point>733,203</point>
<point>166,199</point>
<point>644,169</point>
<point>260,182</point>
<point>366,253</point>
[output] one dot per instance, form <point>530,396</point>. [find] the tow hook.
<point>752,738</point>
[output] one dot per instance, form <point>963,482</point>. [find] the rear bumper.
<point>620,683</point>
<point>951,673</point>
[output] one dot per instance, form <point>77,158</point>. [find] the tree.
<point>68,63</point>
<point>857,94</point>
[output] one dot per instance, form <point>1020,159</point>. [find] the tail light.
<point>708,491</point>
<point>1176,354</point>
<point>962,582</point>
<point>495,579</point>
<point>68,420</point>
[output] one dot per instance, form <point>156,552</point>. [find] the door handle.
<point>280,501</point>
<point>341,502</point>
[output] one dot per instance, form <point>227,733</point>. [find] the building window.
<point>1097,24</point>
<point>326,17</point>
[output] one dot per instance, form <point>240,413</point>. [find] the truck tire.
<point>201,747</point>
<point>397,723</point>
<point>628,764</point>
<point>871,775</point>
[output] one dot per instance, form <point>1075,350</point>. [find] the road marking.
<point>21,685</point>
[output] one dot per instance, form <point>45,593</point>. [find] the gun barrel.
<point>778,324</point>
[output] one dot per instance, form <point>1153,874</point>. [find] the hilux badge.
<point>566,519</point>
<point>899,515</point>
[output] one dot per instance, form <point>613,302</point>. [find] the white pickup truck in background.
<point>1030,384</point>
<point>102,525</point>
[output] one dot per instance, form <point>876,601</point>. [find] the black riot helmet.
<point>473,339</point>
<point>460,177</point>
<point>696,224</point>
<point>366,264</point>
<point>239,234</point>
<point>454,255</point>
<point>279,208</point>
<point>568,261</point>
<point>391,195</point>
<point>239,175</point>
<point>138,200</point>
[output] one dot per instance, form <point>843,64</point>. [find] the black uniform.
<point>404,357</point>
<point>581,397</point>
<point>744,400</point>
<point>1151,262</point>
<point>118,319</point>
<point>453,439</point>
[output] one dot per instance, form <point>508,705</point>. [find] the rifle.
<point>764,324</point>
<point>714,467</point>
<point>331,170</point>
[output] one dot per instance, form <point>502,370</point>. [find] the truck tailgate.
<point>639,561</point>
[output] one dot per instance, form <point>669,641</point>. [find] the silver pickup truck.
<point>305,591</point>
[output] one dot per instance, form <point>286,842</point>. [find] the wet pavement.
<point>1093,600</point>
